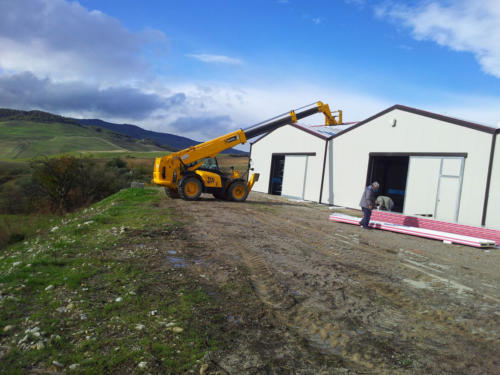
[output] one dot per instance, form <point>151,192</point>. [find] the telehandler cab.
<point>194,170</point>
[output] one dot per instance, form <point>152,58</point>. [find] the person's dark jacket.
<point>368,198</point>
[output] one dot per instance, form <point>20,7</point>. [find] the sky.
<point>204,68</point>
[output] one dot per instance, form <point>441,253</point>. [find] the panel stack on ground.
<point>420,232</point>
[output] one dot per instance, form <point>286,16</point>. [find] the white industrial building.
<point>430,165</point>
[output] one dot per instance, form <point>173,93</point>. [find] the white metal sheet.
<point>452,167</point>
<point>422,185</point>
<point>449,194</point>
<point>294,176</point>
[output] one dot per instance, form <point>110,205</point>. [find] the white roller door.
<point>294,176</point>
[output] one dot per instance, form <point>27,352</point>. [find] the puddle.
<point>177,262</point>
<point>172,252</point>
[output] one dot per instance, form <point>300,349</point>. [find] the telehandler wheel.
<point>238,191</point>
<point>190,188</point>
<point>172,193</point>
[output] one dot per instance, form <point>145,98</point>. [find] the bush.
<point>68,182</point>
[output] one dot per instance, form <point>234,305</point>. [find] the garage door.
<point>294,176</point>
<point>433,187</point>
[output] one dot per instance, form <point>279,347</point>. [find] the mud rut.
<point>376,305</point>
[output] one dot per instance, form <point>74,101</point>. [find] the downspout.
<point>323,173</point>
<point>488,178</point>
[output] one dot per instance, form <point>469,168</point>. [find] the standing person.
<point>368,203</point>
<point>385,203</point>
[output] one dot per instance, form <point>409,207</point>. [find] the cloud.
<point>216,59</point>
<point>245,106</point>
<point>25,91</point>
<point>66,42</point>
<point>207,126</point>
<point>462,25</point>
<point>317,20</point>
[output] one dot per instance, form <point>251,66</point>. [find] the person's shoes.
<point>366,228</point>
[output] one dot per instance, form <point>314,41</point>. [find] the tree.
<point>56,177</point>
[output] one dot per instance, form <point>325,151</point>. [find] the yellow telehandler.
<point>194,170</point>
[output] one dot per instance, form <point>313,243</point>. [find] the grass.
<point>94,290</point>
<point>29,139</point>
<point>15,228</point>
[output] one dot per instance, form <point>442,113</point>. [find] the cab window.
<point>210,163</point>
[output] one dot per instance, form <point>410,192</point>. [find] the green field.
<point>28,139</point>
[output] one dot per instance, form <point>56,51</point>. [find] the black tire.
<point>190,188</point>
<point>238,191</point>
<point>172,193</point>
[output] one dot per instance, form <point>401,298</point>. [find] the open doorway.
<point>276,176</point>
<point>391,172</point>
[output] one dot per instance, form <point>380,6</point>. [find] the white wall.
<point>289,139</point>
<point>412,134</point>
<point>493,213</point>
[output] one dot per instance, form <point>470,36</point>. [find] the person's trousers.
<point>367,213</point>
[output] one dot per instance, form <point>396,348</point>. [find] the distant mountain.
<point>135,131</point>
<point>38,116</point>
<point>129,137</point>
<point>35,133</point>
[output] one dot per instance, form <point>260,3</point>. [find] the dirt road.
<point>309,296</point>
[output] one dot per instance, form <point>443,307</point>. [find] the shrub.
<point>68,182</point>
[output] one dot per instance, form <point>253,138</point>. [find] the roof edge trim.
<point>436,116</point>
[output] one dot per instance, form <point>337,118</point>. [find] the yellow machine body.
<point>189,172</point>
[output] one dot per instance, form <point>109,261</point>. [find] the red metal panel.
<point>426,223</point>
<point>420,232</point>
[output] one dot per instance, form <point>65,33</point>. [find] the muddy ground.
<point>309,296</point>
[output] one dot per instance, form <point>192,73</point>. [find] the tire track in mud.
<point>365,317</point>
<point>335,334</point>
<point>375,335</point>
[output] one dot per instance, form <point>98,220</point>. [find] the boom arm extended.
<point>169,169</point>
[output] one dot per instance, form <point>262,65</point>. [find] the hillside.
<point>31,139</point>
<point>135,131</point>
<point>140,283</point>
<point>33,134</point>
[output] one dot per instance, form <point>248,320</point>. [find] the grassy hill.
<point>137,132</point>
<point>92,293</point>
<point>28,134</point>
<point>27,138</point>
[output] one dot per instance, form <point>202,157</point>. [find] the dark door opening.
<point>391,173</point>
<point>276,177</point>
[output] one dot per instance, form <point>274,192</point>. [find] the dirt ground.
<point>310,296</point>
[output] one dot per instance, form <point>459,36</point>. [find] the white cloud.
<point>462,25</point>
<point>66,41</point>
<point>245,106</point>
<point>216,59</point>
<point>317,20</point>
